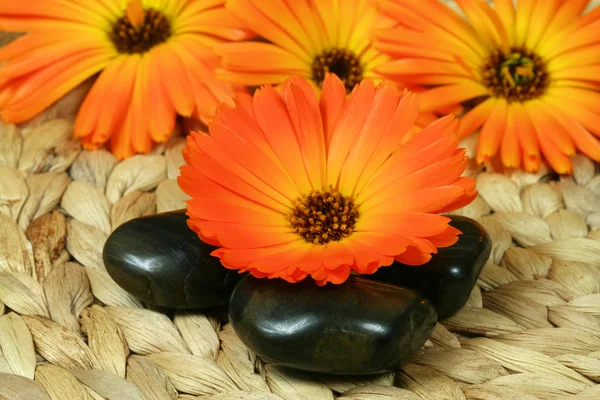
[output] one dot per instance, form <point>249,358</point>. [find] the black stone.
<point>161,261</point>
<point>448,278</point>
<point>358,327</point>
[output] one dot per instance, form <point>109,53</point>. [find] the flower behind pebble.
<point>303,37</point>
<point>289,185</point>
<point>527,75</point>
<point>155,60</point>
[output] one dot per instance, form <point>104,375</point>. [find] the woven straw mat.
<point>531,328</point>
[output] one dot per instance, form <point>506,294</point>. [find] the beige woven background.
<point>531,329</point>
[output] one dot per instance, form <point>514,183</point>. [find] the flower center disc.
<point>324,216</point>
<point>139,38</point>
<point>518,76</point>
<point>341,62</point>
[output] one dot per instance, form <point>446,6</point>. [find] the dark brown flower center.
<point>519,75</point>
<point>131,38</point>
<point>324,216</point>
<point>344,63</point>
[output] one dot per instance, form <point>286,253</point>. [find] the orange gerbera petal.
<point>434,143</point>
<point>152,65</point>
<point>443,165</point>
<point>386,243</point>
<point>243,259</point>
<point>444,96</point>
<point>398,129</point>
<point>411,66</point>
<point>252,236</point>
<point>255,155</point>
<point>331,102</point>
<point>505,64</point>
<point>445,239</point>
<point>336,276</point>
<point>468,184</point>
<point>385,102</point>
<point>557,159</point>
<point>420,187</point>
<point>161,111</point>
<point>366,259</point>
<point>210,20</point>
<point>522,19</point>
<point>405,224</point>
<point>228,171</point>
<point>485,20</point>
<point>425,200</point>
<point>290,186</point>
<point>275,122</point>
<point>585,142</point>
<point>302,105</point>
<point>510,149</point>
<point>413,256</point>
<point>549,128</point>
<point>261,57</point>
<point>121,144</point>
<point>14,15</point>
<point>476,117</point>
<point>207,94</point>
<point>36,91</point>
<point>565,15</point>
<point>492,132</point>
<point>436,16</point>
<point>506,13</point>
<point>544,12</point>
<point>352,118</point>
<point>112,90</point>
<point>585,116</point>
<point>236,211</point>
<point>140,140</point>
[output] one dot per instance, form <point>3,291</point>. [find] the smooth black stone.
<point>161,261</point>
<point>448,278</point>
<point>358,327</point>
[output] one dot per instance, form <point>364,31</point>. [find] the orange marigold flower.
<point>305,37</point>
<point>527,75</point>
<point>288,185</point>
<point>154,59</point>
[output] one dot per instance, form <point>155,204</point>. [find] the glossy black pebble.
<point>161,261</point>
<point>446,280</point>
<point>359,327</point>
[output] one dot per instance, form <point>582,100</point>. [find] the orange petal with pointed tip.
<point>135,13</point>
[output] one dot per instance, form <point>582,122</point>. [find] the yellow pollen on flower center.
<point>324,216</point>
<point>342,62</point>
<point>519,75</point>
<point>139,30</point>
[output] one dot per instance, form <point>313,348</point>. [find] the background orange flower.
<point>303,37</point>
<point>527,75</point>
<point>155,60</point>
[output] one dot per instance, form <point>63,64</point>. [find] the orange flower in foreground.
<point>154,59</point>
<point>529,76</point>
<point>288,185</point>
